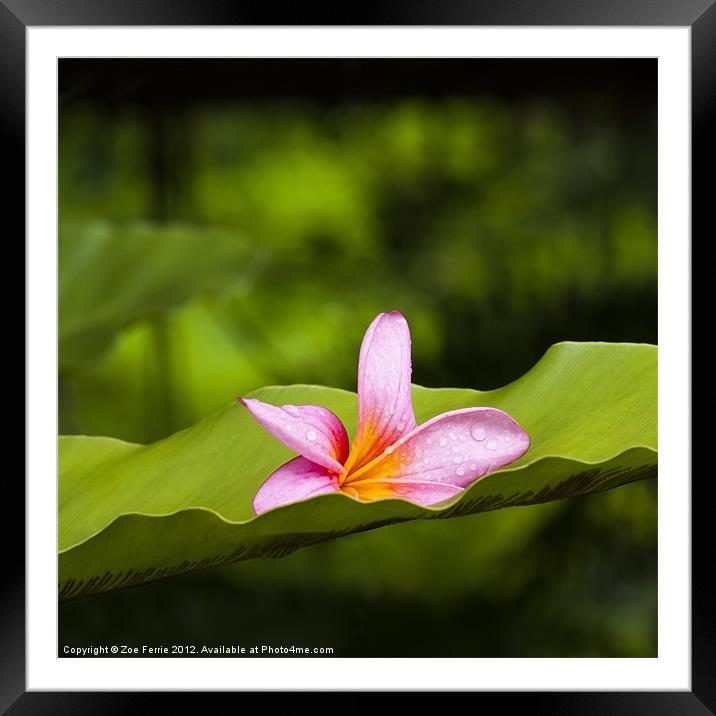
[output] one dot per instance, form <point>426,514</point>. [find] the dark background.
<point>503,205</point>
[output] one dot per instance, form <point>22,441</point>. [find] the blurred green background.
<point>226,225</point>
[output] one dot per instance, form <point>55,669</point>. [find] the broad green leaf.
<point>130,513</point>
<point>111,275</point>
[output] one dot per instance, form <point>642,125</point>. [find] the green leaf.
<point>111,275</point>
<point>130,514</point>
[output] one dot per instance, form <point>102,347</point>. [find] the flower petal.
<point>455,448</point>
<point>423,492</point>
<point>385,409</point>
<point>310,430</point>
<point>298,479</point>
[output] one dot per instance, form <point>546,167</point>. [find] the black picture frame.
<point>699,15</point>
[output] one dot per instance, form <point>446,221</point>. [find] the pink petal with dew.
<point>423,492</point>
<point>297,480</point>
<point>310,430</point>
<point>455,448</point>
<point>385,409</point>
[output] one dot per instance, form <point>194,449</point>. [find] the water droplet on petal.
<point>311,436</point>
<point>443,442</point>
<point>455,449</point>
<point>460,471</point>
<point>453,435</point>
<point>478,432</point>
<point>507,437</point>
<point>292,410</point>
<point>457,459</point>
<point>491,444</point>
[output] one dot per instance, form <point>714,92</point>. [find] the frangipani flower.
<point>390,456</point>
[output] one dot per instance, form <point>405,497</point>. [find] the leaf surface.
<point>130,513</point>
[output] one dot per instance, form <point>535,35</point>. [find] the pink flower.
<point>390,455</point>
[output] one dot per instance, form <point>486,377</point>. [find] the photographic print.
<point>357,357</point>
